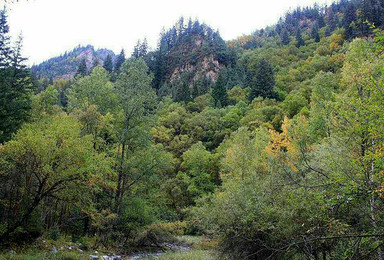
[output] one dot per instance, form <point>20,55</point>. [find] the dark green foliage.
<point>95,63</point>
<point>143,50</point>
<point>108,64</point>
<point>264,82</point>
<point>193,45</point>
<point>349,17</point>
<point>299,38</point>
<point>285,37</point>
<point>315,33</point>
<point>5,48</point>
<point>82,70</point>
<point>219,91</point>
<point>119,61</point>
<point>15,84</point>
<point>181,88</point>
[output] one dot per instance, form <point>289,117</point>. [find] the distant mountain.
<point>65,66</point>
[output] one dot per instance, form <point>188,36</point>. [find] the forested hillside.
<point>269,146</point>
<point>66,66</point>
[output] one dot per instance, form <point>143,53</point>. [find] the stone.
<point>54,250</point>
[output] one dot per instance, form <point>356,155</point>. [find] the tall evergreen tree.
<point>195,89</point>
<point>349,18</point>
<point>315,32</point>
<point>95,63</point>
<point>119,61</point>
<point>264,82</point>
<point>285,37</point>
<point>181,91</point>
<point>15,84</point>
<point>219,91</point>
<point>82,70</point>
<point>136,50</point>
<point>143,50</point>
<point>5,48</point>
<point>299,38</point>
<point>108,64</point>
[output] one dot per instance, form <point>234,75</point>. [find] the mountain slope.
<point>65,66</point>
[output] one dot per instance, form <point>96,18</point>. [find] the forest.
<point>267,146</point>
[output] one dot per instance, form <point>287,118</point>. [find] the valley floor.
<point>192,248</point>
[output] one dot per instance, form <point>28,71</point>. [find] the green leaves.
<point>95,89</point>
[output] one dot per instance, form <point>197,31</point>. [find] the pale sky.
<point>51,27</point>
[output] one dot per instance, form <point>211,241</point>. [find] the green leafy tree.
<point>136,100</point>
<point>95,89</point>
<point>46,159</point>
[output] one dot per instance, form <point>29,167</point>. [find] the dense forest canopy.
<point>269,145</point>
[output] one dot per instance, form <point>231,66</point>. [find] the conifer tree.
<point>181,90</point>
<point>219,91</point>
<point>108,64</point>
<point>82,70</point>
<point>95,63</point>
<point>349,17</point>
<point>136,50</point>
<point>15,84</point>
<point>299,38</point>
<point>285,37</point>
<point>315,33</point>
<point>119,61</point>
<point>195,89</point>
<point>5,49</point>
<point>264,82</point>
<point>143,50</point>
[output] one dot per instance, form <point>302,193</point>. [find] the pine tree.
<point>299,38</point>
<point>136,50</point>
<point>95,63</point>
<point>195,89</point>
<point>82,70</point>
<point>315,33</point>
<point>189,27</point>
<point>196,28</point>
<point>264,82</point>
<point>108,64</point>
<point>219,91</point>
<point>349,18</point>
<point>181,90</point>
<point>180,27</point>
<point>143,50</point>
<point>5,49</point>
<point>321,21</point>
<point>285,37</point>
<point>119,61</point>
<point>15,84</point>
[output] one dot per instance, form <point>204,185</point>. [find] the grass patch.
<point>190,255</point>
<point>45,256</point>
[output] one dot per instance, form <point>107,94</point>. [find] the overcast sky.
<point>50,27</point>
